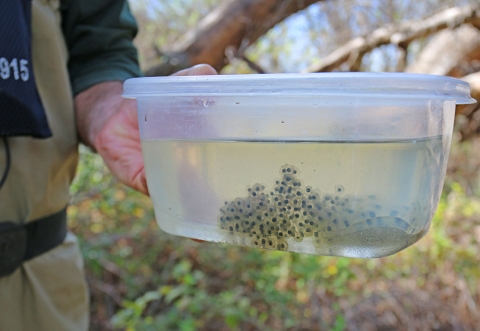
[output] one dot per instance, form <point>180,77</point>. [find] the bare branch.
<point>237,23</point>
<point>468,116</point>
<point>402,54</point>
<point>106,288</point>
<point>474,81</point>
<point>253,65</point>
<point>401,35</point>
<point>233,54</point>
<point>447,51</point>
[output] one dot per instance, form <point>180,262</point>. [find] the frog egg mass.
<point>294,212</point>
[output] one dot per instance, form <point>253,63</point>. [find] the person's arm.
<point>99,36</point>
<point>108,123</point>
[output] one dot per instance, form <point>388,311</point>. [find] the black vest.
<point>21,110</point>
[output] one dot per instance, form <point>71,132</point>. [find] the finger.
<point>139,182</point>
<point>199,69</point>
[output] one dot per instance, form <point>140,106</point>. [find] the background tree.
<point>243,36</point>
<point>143,279</point>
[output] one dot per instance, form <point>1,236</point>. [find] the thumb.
<point>199,69</point>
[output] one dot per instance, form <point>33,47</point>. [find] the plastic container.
<point>346,164</point>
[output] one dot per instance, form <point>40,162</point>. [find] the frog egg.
<point>330,228</point>
<point>238,226</point>
<point>239,203</point>
<point>308,231</point>
<point>287,179</point>
<point>282,245</point>
<point>296,183</point>
<point>248,206</point>
<point>231,209</point>
<point>263,228</point>
<point>222,222</point>
<point>256,189</point>
<point>275,220</point>
<point>247,222</point>
<point>290,232</point>
<point>254,232</point>
<point>318,242</point>
<point>339,190</point>
<point>318,206</point>
<point>256,241</point>
<point>233,226</point>
<point>339,224</point>
<point>222,212</point>
<point>313,196</point>
<point>327,199</point>
<point>255,222</point>
<point>288,169</point>
<point>284,225</point>
<point>316,222</point>
<point>272,230</point>
<point>270,243</point>
<point>298,237</point>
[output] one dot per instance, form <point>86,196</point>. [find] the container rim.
<point>356,84</point>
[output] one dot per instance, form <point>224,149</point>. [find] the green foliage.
<point>339,323</point>
<point>188,305</point>
<point>154,281</point>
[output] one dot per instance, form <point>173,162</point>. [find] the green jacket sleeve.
<point>99,36</point>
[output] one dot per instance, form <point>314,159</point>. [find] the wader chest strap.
<point>22,243</point>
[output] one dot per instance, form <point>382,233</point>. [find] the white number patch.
<point>15,69</point>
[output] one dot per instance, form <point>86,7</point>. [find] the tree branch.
<point>400,35</point>
<point>447,52</point>
<point>402,54</point>
<point>233,54</point>
<point>237,23</point>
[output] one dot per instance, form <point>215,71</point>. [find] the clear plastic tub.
<point>346,164</point>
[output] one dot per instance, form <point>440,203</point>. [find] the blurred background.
<point>143,279</point>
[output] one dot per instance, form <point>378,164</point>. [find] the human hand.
<point>108,123</point>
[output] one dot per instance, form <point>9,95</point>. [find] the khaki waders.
<point>49,291</point>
